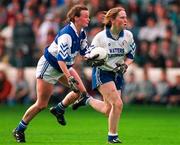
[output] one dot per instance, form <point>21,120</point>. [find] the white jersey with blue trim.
<point>66,46</point>
<point>118,49</point>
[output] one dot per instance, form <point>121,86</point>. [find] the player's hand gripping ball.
<point>97,56</point>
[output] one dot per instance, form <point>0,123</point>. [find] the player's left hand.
<point>73,84</point>
<point>120,68</point>
<point>93,62</point>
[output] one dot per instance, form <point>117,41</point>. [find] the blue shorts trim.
<point>44,68</point>
<point>100,77</point>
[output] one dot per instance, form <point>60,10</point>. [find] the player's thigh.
<point>44,91</point>
<point>109,92</point>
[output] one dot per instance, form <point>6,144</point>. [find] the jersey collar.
<point>74,28</point>
<point>108,33</point>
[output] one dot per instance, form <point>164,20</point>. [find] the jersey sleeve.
<point>131,46</point>
<point>96,42</point>
<point>64,45</point>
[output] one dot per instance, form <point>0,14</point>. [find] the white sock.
<point>87,101</point>
<point>112,134</point>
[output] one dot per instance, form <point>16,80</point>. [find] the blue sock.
<point>22,126</point>
<point>60,107</point>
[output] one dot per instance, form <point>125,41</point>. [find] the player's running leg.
<point>112,96</point>
<point>44,91</point>
<point>59,110</point>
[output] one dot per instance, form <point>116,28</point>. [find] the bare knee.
<point>117,105</point>
<point>115,99</point>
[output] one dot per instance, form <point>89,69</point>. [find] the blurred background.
<point>28,26</point>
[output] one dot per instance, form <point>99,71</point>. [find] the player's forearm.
<point>64,68</point>
<point>128,61</point>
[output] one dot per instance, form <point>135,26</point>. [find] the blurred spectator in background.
<point>173,11</point>
<point>174,93</point>
<point>133,9</point>
<point>146,12</point>
<point>22,89</point>
<point>94,6</point>
<point>54,6</point>
<point>30,4</point>
<point>108,4</point>
<point>18,59</point>
<point>16,6</point>
<point>24,41</point>
<point>63,9</point>
<point>130,89</point>
<point>4,58</point>
<point>168,52</point>
<point>161,17</point>
<point>50,37</point>
<point>7,33</point>
<point>47,25</point>
<point>150,31</point>
<point>141,57</point>
<point>97,20</point>
<point>96,25</point>
<point>133,28</point>
<point>3,16</point>
<point>42,10</point>
<point>146,89</point>
<point>12,10</point>
<point>35,26</point>
<point>5,87</point>
<point>171,35</point>
<point>30,13</point>
<point>155,58</point>
<point>162,89</point>
<point>177,58</point>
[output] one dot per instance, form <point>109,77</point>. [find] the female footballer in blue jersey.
<point>56,66</point>
<point>108,78</point>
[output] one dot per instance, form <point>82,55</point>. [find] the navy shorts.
<point>100,77</point>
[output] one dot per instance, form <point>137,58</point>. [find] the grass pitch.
<point>139,125</point>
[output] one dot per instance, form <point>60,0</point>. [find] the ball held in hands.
<point>97,56</point>
<point>98,53</point>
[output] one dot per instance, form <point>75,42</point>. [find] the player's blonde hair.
<point>111,14</point>
<point>75,12</point>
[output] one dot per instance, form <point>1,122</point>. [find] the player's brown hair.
<point>75,11</point>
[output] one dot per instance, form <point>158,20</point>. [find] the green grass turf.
<point>139,125</point>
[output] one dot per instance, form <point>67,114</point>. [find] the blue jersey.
<point>66,45</point>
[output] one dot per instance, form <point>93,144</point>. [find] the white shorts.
<point>46,72</point>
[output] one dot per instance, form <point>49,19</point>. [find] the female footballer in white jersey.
<point>108,78</point>
<point>56,66</point>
